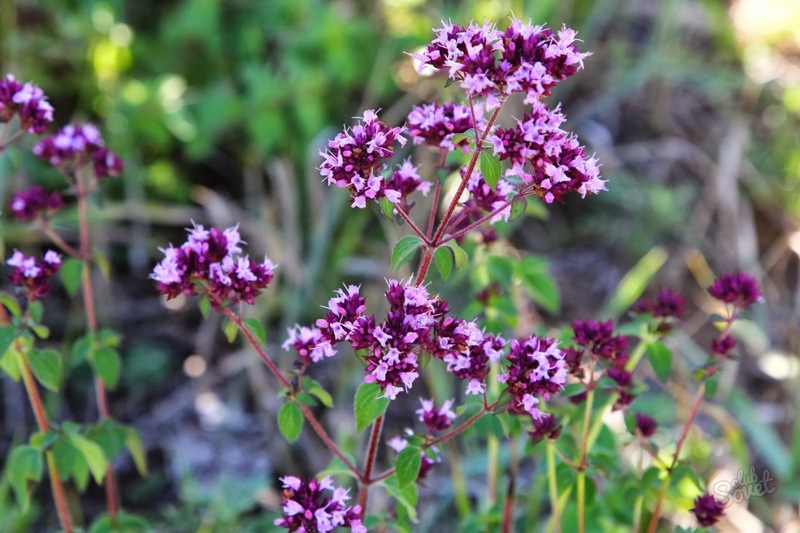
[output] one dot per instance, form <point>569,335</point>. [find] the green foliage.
<point>404,250</point>
<point>46,366</point>
<point>24,468</point>
<point>490,168</point>
<point>71,272</point>
<point>290,421</point>
<point>407,466</point>
<point>368,404</point>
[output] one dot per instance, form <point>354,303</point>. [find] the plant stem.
<point>405,216</point>
<point>434,207</point>
<point>312,420</point>
<point>552,483</point>
<point>508,508</point>
<point>56,483</point>
<point>685,433</point>
<point>56,239</point>
<point>369,462</point>
<point>467,175</point>
<point>424,265</point>
<point>82,189</point>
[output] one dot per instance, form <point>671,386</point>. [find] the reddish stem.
<point>424,265</point>
<point>312,420</point>
<point>467,175</point>
<point>57,240</point>
<point>369,462</point>
<point>405,216</point>
<point>434,207</point>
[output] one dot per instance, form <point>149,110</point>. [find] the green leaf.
<point>305,398</point>
<point>256,329</point>
<point>404,250</point>
<point>406,496</point>
<point>387,208</point>
<point>290,421</point>
<point>11,304</point>
<point>204,304</point>
<point>7,336</point>
<point>231,330</point>
<point>93,454</point>
<point>81,349</point>
<point>633,284</point>
<point>46,366</point>
<point>8,362</point>
<point>542,288</point>
<point>407,465</point>
<point>103,264</point>
<point>443,258</point>
<point>134,444</point>
<point>65,455</point>
<point>35,310</point>
<point>368,404</point>
<point>124,523</point>
<point>71,272</point>
<point>518,206</point>
<point>313,387</point>
<point>490,168</point>
<point>660,358</point>
<point>108,365</point>
<point>41,331</point>
<point>458,254</point>
<point>24,467</point>
<point>468,135</point>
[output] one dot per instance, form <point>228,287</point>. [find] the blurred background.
<point>219,108</point>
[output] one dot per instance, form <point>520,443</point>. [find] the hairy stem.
<point>369,462</point>
<point>56,483</point>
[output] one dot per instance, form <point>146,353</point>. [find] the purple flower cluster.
<point>666,304</point>
<point>34,202</point>
<point>483,199</point>
<point>436,124</point>
<point>598,340</point>
<point>645,425</point>
<point>467,351</point>
<point>433,418</point>
<point>739,290</point>
<point>536,368</point>
<point>547,157</point>
<point>78,144</point>
<point>356,157</point>
<point>708,509</point>
<point>28,101</point>
<point>416,323</point>
<point>312,506</point>
<point>211,261</point>
<point>545,427</point>
<point>33,274</point>
<point>406,181</point>
<point>488,62</point>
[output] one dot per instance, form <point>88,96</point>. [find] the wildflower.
<point>210,261</point>
<point>309,344</point>
<point>405,181</point>
<point>483,199</point>
<point>739,290</point>
<point>708,509</point>
<point>33,274</point>
<point>546,157</point>
<point>78,144</point>
<point>545,427</point>
<point>723,346</point>
<point>487,62</point>
<point>436,124</point>
<point>436,419</point>
<point>536,369</point>
<point>28,101</point>
<point>317,506</point>
<point>33,202</point>
<point>598,338</point>
<point>645,425</point>
<point>467,351</point>
<point>356,157</point>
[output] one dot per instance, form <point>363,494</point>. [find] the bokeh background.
<point>219,108</point>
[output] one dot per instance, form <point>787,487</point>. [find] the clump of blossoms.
<point>487,62</point>
<point>433,418</point>
<point>76,145</point>
<point>34,202</point>
<point>31,274</point>
<point>666,307</point>
<point>436,124</point>
<point>356,158</point>
<point>737,292</point>
<point>708,509</point>
<point>536,369</point>
<point>312,506</point>
<point>211,261</point>
<point>28,102</point>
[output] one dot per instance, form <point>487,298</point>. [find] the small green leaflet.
<point>458,253</point>
<point>404,250</point>
<point>660,358</point>
<point>71,272</point>
<point>24,465</point>
<point>46,366</point>
<point>107,363</point>
<point>490,168</point>
<point>290,421</point>
<point>443,258</point>
<point>518,206</point>
<point>387,208</point>
<point>368,404</point>
<point>407,465</point>
<point>256,329</point>
<point>93,454</point>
